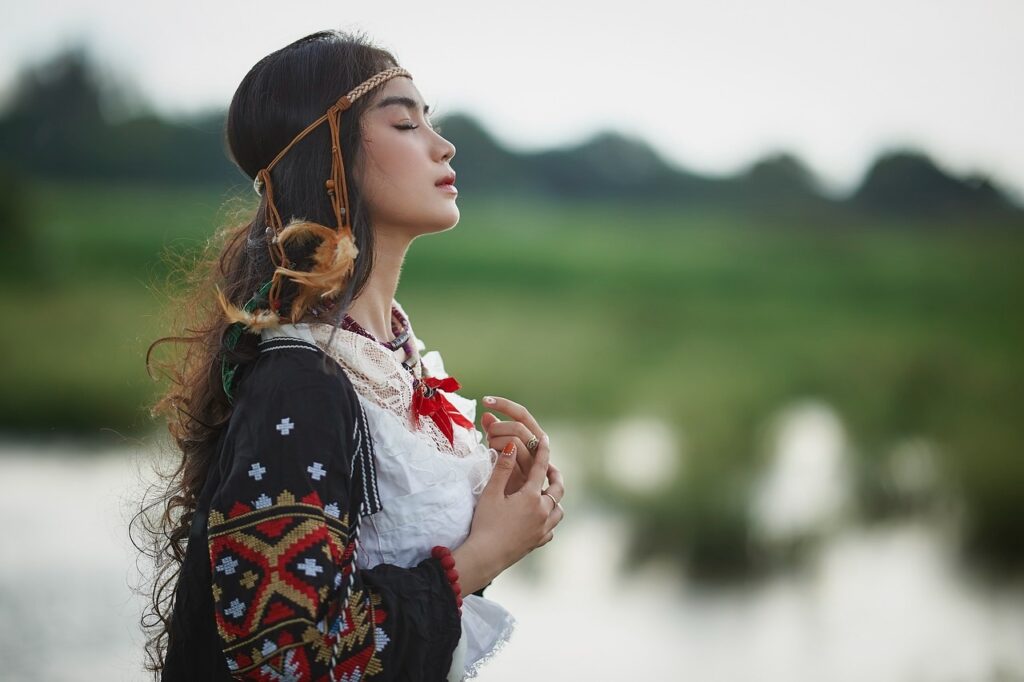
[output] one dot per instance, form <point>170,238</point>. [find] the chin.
<point>451,220</point>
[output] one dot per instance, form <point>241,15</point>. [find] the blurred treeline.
<point>588,282</point>
<point>57,124</point>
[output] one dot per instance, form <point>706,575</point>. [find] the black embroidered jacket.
<point>268,588</point>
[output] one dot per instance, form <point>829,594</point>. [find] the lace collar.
<point>379,377</point>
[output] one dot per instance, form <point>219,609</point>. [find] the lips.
<point>446,180</point>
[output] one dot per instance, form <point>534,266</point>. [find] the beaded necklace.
<point>427,393</point>
<point>399,326</point>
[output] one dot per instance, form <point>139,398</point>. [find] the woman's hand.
<point>499,433</point>
<point>506,528</point>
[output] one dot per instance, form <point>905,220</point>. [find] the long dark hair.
<point>282,94</point>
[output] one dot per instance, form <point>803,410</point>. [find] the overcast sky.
<point>711,85</point>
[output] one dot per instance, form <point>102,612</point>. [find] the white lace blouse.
<point>428,487</point>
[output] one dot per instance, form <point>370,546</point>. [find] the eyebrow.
<point>406,102</point>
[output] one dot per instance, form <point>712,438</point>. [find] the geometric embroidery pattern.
<point>277,570</point>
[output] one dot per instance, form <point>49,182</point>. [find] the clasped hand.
<point>520,429</point>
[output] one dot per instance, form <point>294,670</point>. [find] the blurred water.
<point>878,604</point>
<point>807,487</point>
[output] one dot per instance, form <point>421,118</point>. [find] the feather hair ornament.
<point>333,263</point>
<point>249,318</point>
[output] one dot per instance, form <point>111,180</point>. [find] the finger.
<point>524,460</point>
<point>539,470</point>
<point>501,472</point>
<point>514,410</point>
<point>554,518</point>
<point>522,436</point>
<point>547,538</point>
<point>487,420</point>
<point>556,486</point>
<point>512,428</point>
<point>515,482</point>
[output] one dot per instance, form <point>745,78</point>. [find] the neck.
<point>372,309</point>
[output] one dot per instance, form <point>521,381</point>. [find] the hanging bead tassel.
<point>448,563</point>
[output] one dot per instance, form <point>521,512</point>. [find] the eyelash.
<point>436,129</point>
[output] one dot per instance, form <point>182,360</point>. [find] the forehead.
<point>400,95</point>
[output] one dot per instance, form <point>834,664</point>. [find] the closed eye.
<point>436,129</point>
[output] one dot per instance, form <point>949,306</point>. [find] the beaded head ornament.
<point>333,259</point>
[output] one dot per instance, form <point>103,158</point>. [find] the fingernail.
<point>488,399</point>
<point>546,439</point>
<point>509,449</point>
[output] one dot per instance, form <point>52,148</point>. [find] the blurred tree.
<point>781,186</point>
<point>53,113</point>
<point>612,165</point>
<point>57,124</point>
<point>15,232</point>
<point>907,183</point>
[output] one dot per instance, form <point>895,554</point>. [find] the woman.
<point>340,514</point>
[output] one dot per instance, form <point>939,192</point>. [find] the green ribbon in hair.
<point>234,333</point>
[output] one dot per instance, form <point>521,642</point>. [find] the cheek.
<point>388,163</point>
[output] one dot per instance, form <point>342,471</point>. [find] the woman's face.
<point>403,162</point>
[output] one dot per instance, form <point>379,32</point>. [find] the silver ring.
<point>532,445</point>
<point>552,499</point>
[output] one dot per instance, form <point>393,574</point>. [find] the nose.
<point>447,148</point>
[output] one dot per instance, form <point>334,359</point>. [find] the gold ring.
<point>552,499</point>
<point>532,445</point>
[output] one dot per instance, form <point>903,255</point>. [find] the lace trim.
<point>377,374</point>
<point>506,633</point>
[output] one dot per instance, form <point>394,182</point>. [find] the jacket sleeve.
<point>282,534</point>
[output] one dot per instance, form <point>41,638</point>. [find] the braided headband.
<point>333,259</point>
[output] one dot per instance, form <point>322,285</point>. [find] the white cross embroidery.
<point>257,471</point>
<point>236,609</point>
<point>310,567</point>
<point>285,426</point>
<point>316,471</point>
<point>227,565</point>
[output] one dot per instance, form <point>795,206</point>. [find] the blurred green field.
<point>588,312</point>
